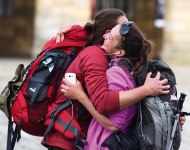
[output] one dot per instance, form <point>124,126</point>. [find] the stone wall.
<point>177,31</point>
<point>51,14</point>
<point>33,22</point>
<point>144,13</point>
<point>16,30</point>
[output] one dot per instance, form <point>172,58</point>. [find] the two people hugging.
<point>115,52</point>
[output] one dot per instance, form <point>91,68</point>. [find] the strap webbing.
<point>70,127</point>
<point>16,136</point>
<point>68,61</point>
<point>9,135</point>
<point>12,136</point>
<point>164,123</point>
<point>169,113</point>
<point>52,115</point>
<point>66,125</point>
<point>169,146</point>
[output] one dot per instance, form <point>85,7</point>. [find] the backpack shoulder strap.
<point>126,64</point>
<point>68,61</point>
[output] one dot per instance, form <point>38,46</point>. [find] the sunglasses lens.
<point>125,28</point>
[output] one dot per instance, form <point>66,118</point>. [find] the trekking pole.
<point>179,108</point>
<point>180,102</point>
<point>180,105</point>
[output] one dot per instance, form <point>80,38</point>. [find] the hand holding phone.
<point>71,77</point>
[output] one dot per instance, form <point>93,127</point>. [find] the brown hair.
<point>137,48</point>
<point>104,20</point>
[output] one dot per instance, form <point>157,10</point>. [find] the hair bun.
<point>89,27</point>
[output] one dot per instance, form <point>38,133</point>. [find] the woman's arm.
<point>151,87</point>
<point>77,93</point>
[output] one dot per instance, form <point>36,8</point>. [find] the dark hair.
<point>104,20</point>
<point>137,48</point>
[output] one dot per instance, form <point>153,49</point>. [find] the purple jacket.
<point>119,79</point>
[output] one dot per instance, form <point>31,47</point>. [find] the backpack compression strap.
<point>66,125</point>
<point>13,136</point>
<point>54,117</point>
<point>13,86</point>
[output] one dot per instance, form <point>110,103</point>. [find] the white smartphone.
<point>71,77</point>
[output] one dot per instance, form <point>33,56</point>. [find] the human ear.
<point>120,52</point>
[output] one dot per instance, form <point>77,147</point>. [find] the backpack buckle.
<point>51,115</point>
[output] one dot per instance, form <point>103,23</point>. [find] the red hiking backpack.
<point>38,90</point>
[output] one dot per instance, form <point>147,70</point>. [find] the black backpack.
<point>158,116</point>
<point>157,126</point>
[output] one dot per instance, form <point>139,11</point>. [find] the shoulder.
<point>120,78</point>
<point>116,70</point>
<point>92,50</point>
<point>93,54</point>
<point>119,72</point>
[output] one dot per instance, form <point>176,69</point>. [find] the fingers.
<point>61,33</point>
<point>64,88</point>
<point>182,120</point>
<point>58,37</point>
<point>181,128</point>
<point>158,75</point>
<point>165,87</point>
<point>149,74</point>
<point>164,81</point>
<point>62,36</point>
<point>65,85</point>
<point>156,86</point>
<point>67,82</point>
<point>165,92</point>
<point>69,85</point>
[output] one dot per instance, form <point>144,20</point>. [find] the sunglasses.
<point>125,28</point>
